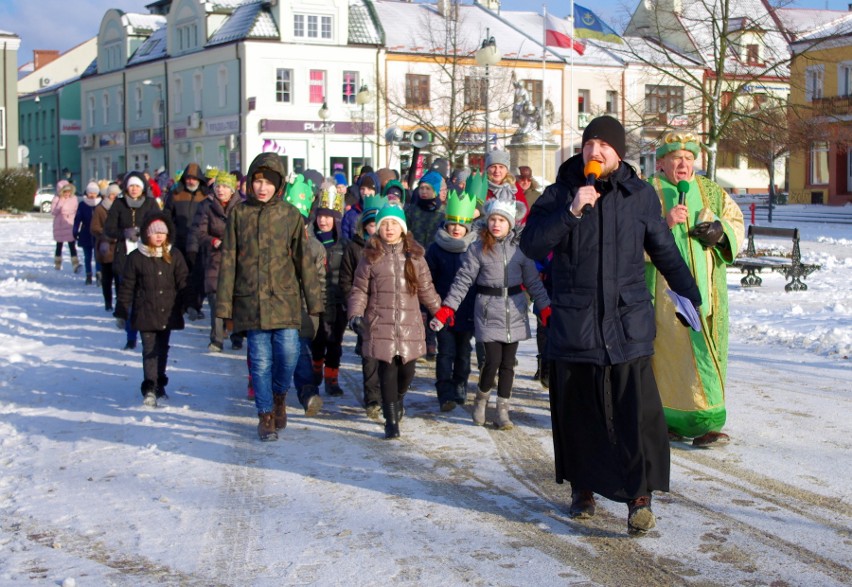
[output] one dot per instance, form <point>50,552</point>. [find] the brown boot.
<point>280,410</point>
<point>75,264</point>
<point>331,386</point>
<point>640,518</point>
<point>266,427</point>
<point>582,504</point>
<point>57,262</point>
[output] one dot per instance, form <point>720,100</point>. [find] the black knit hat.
<point>610,131</point>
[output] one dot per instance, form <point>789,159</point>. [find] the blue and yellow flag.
<point>587,25</point>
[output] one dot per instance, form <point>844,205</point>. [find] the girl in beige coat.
<point>391,281</point>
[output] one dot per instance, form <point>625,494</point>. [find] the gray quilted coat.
<point>499,318</point>
<point>379,293</point>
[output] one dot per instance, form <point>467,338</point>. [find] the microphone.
<point>682,188</point>
<point>592,171</point>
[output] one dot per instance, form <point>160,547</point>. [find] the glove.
<point>708,233</point>
<point>217,242</point>
<point>131,234</point>
<point>445,315</point>
<point>545,316</point>
<point>435,324</point>
<point>356,323</point>
<point>119,323</point>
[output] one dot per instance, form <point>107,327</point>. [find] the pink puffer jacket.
<point>63,210</point>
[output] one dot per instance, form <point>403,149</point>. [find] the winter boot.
<point>162,382</point>
<point>503,422</point>
<point>316,365</point>
<point>479,405</point>
<point>545,374</point>
<point>75,264</point>
<point>266,427</point>
<point>537,373</point>
<point>88,279</point>
<point>149,393</point>
<point>640,518</point>
<point>331,386</point>
<point>57,262</point>
<point>280,410</point>
<point>461,393</point>
<point>582,504</point>
<point>373,410</point>
<point>310,399</point>
<point>391,414</point>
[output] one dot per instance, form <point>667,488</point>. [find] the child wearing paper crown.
<point>153,295</point>
<point>498,271</point>
<point>391,281</point>
<point>444,257</point>
<point>327,346</point>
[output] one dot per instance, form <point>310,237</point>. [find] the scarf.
<point>326,238</point>
<point>151,251</point>
<point>454,245</point>
<point>134,203</point>
<point>503,191</point>
<point>107,203</point>
<point>92,202</point>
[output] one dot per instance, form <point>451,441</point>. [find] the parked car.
<point>42,199</point>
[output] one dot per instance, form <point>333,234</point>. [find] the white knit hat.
<point>505,208</point>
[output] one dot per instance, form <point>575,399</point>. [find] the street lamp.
<point>163,129</point>
<point>362,97</point>
<point>486,55</point>
<point>324,115</point>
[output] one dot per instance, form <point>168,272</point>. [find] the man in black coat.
<point>609,432</point>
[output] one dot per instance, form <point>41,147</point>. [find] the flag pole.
<point>543,77</point>
<point>572,99</point>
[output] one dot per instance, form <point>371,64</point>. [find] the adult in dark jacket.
<point>123,223</point>
<point>83,226</point>
<point>181,205</point>
<point>609,432</point>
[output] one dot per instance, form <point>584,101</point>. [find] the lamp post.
<point>486,55</point>
<point>362,97</point>
<point>163,129</point>
<point>324,115</point>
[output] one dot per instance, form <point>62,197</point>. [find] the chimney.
<point>42,57</point>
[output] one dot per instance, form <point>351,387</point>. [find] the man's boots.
<point>391,414</point>
<point>57,262</point>
<point>266,427</point>
<point>331,386</point>
<point>479,405</point>
<point>280,410</point>
<point>310,399</point>
<point>503,422</point>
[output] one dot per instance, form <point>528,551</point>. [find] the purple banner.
<point>310,126</point>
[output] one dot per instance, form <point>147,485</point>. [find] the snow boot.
<point>280,410</point>
<point>582,504</point>
<point>331,386</point>
<point>503,422</point>
<point>640,518</point>
<point>57,262</point>
<point>479,405</point>
<point>391,414</point>
<point>88,279</point>
<point>266,427</point>
<point>149,393</point>
<point>310,399</point>
<point>373,410</point>
<point>316,365</point>
<point>75,264</point>
<point>162,382</point>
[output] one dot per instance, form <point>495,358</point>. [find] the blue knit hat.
<point>434,179</point>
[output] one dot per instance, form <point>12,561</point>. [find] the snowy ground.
<point>97,490</point>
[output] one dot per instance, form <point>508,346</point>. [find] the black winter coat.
<point>351,257</point>
<point>207,226</point>
<point>444,265</point>
<point>122,216</point>
<point>602,309</point>
<point>334,253</point>
<point>155,291</point>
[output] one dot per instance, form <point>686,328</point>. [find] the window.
<point>222,85</point>
<point>752,56</point>
<point>350,86</point>
<point>661,99</point>
<point>91,110</point>
<point>313,28</point>
<point>159,113</point>
<point>120,105</point>
<point>283,85</point>
<point>814,82</point>
<point>298,25</point>
<point>844,79</point>
<point>325,31</point>
<point>416,90</point>
<point>534,87</point>
<point>197,90</point>
<point>187,36</point>
<point>105,107</point>
<point>177,97</point>
<point>137,99</point>
<point>819,163</point>
<point>726,157</point>
<point>584,103</point>
<point>474,92</point>
<point>612,102</point>
<point>316,86</point>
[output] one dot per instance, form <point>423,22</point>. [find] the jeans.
<point>272,356</point>
<point>452,366</point>
<point>155,354</point>
<point>87,258</point>
<point>304,372</point>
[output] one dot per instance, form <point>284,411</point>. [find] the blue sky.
<point>63,24</point>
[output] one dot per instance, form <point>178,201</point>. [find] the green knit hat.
<point>392,211</point>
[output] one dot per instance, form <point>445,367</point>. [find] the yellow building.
<point>821,95</point>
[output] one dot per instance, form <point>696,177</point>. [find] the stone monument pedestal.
<point>529,154</point>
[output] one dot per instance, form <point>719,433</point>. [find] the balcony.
<point>666,120</point>
<point>833,105</point>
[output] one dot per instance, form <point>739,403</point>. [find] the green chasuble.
<point>689,366</point>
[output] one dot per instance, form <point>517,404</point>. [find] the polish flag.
<point>558,33</point>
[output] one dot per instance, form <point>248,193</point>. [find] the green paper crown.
<point>460,208</point>
<point>300,194</point>
<point>477,186</point>
<point>374,202</point>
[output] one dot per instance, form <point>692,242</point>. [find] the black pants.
<point>394,379</point>
<point>499,359</point>
<point>328,343</point>
<point>155,354</point>
<point>372,385</point>
<point>72,248</point>
<point>108,278</point>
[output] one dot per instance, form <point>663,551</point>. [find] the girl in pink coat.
<point>64,209</point>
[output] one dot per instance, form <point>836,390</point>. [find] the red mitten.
<point>545,316</point>
<point>446,315</point>
<point>216,243</point>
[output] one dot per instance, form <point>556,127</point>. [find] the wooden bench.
<point>751,262</point>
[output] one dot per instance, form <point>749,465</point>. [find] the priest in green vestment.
<point>690,366</point>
